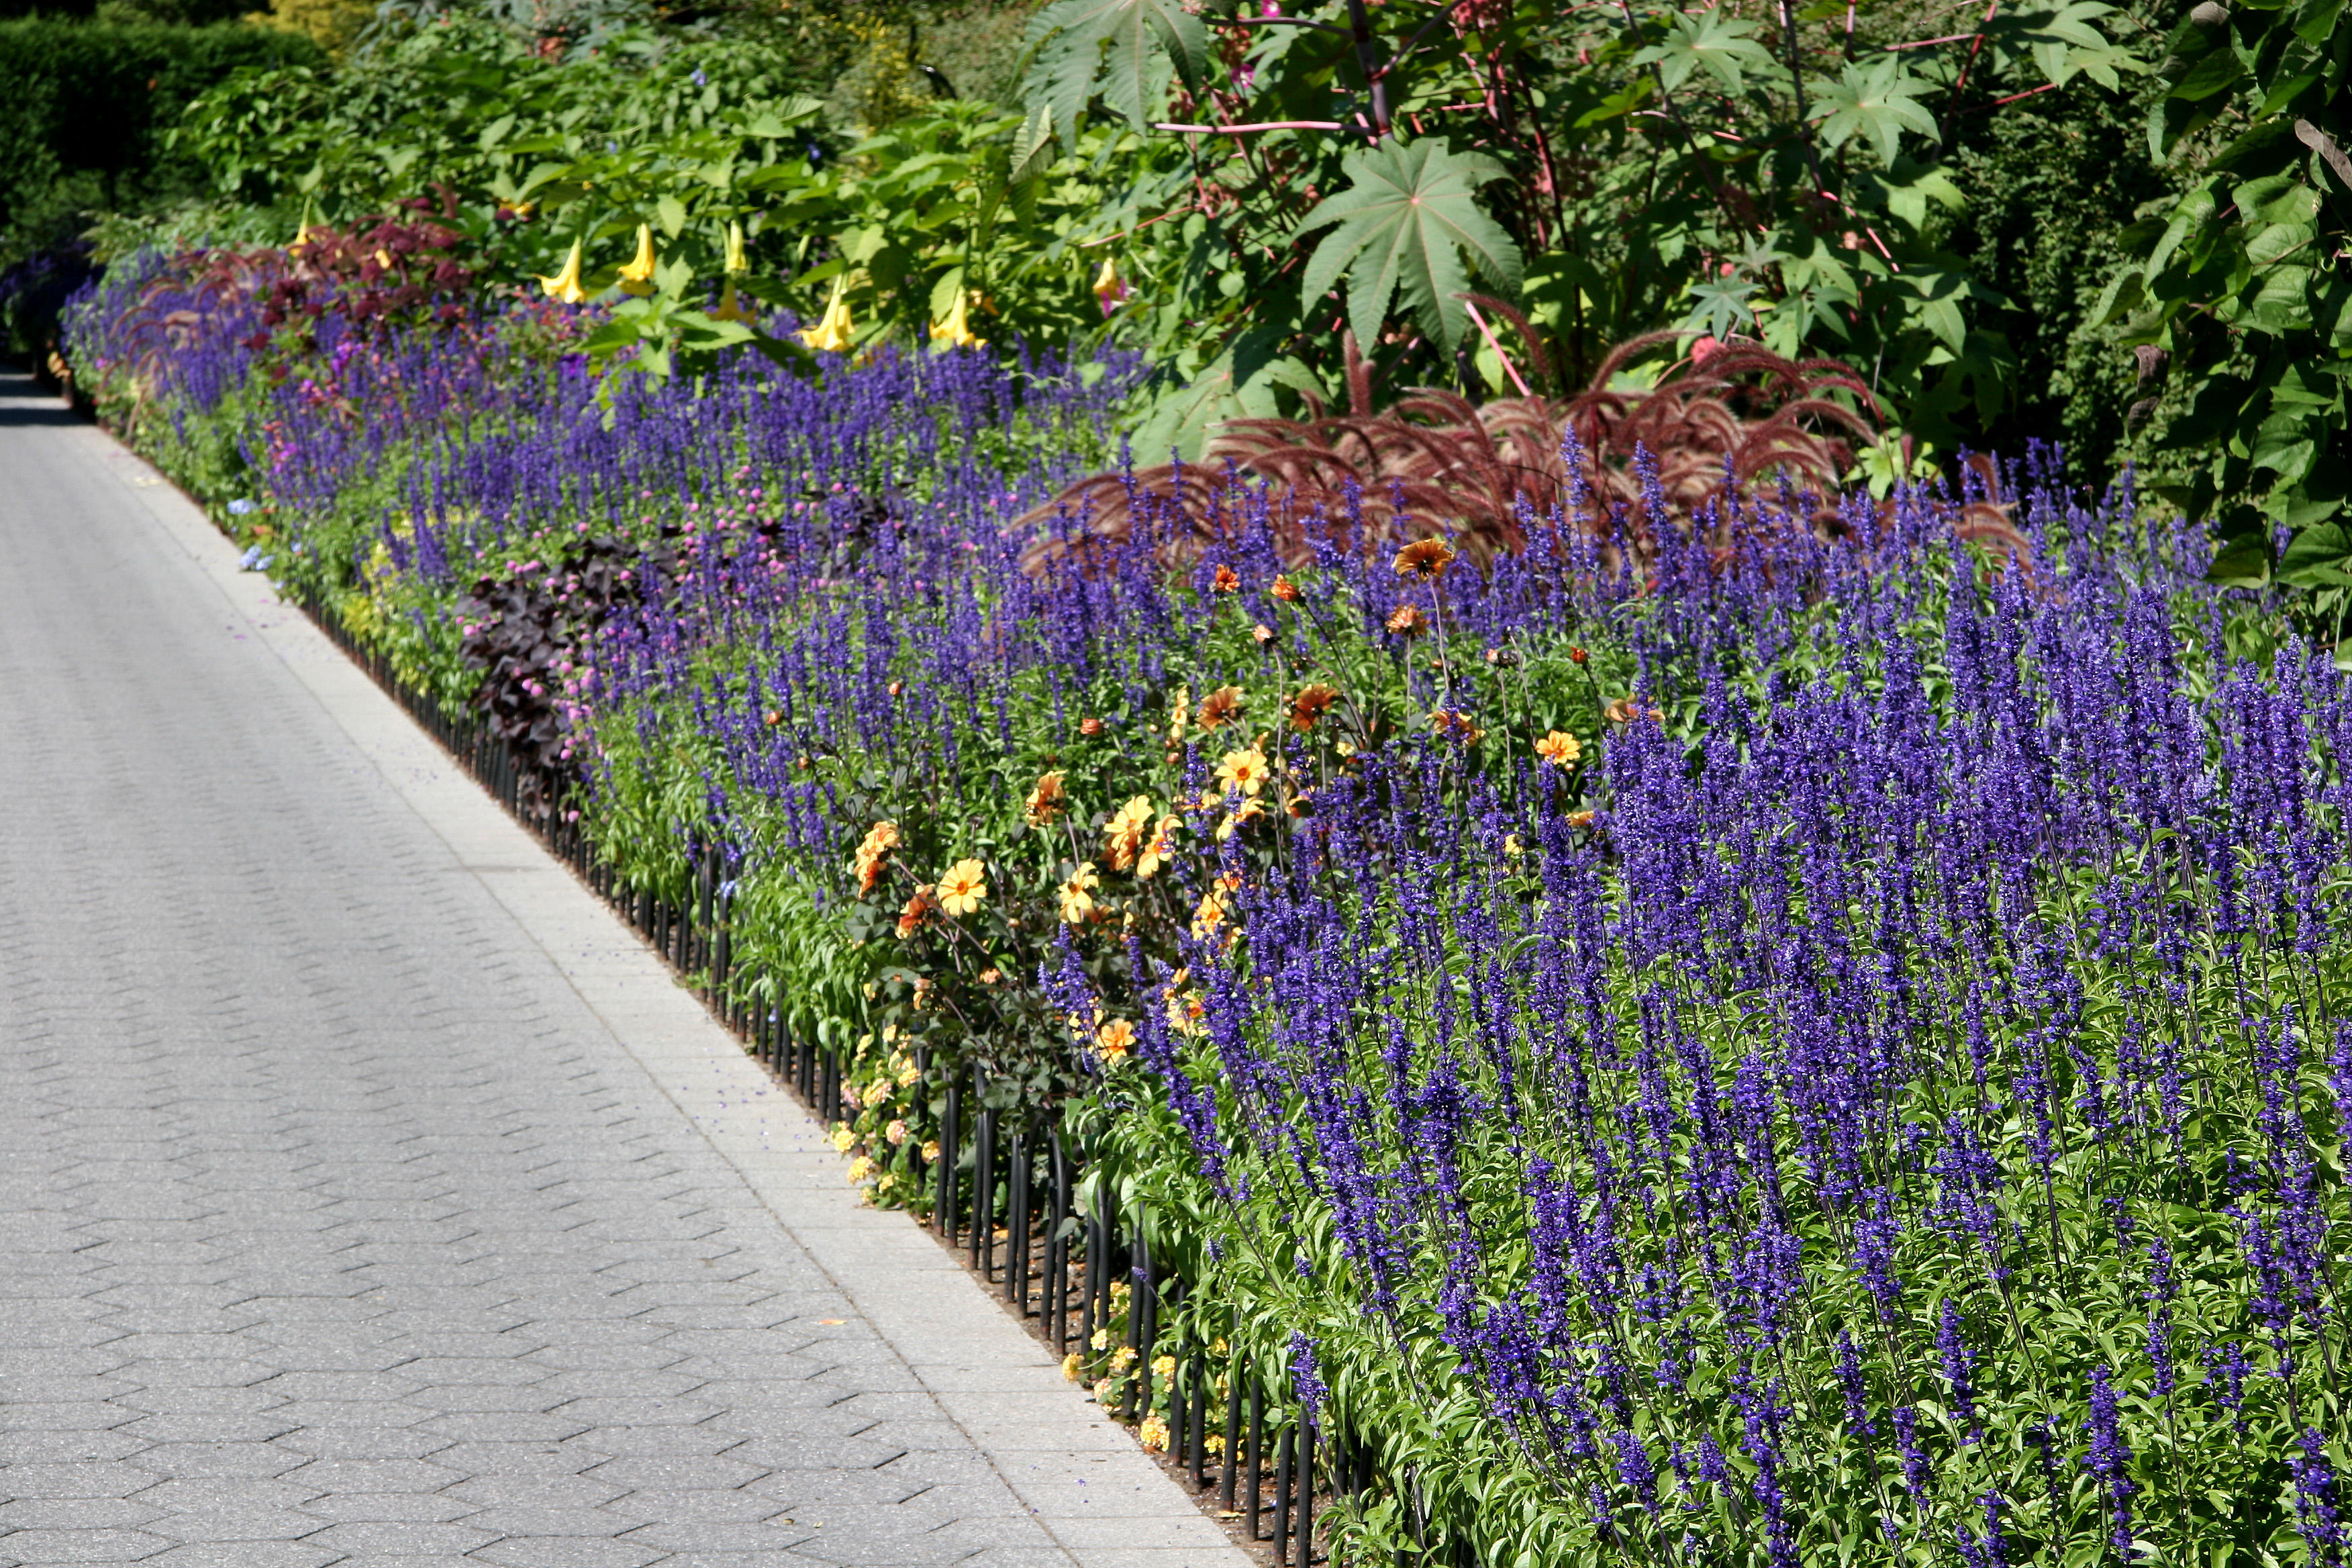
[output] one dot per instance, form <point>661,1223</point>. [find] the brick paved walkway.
<point>368,1196</point>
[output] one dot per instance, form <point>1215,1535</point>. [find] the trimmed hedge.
<point>85,108</point>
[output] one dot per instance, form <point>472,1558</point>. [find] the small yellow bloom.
<point>1560,749</point>
<point>1209,915</point>
<point>1046,800</point>
<point>955,328</point>
<point>834,332</point>
<point>1249,811</point>
<point>1072,1364</point>
<point>1152,1432</point>
<point>637,277</point>
<point>860,1169</point>
<point>1123,835</point>
<point>1108,288</point>
<point>931,1153</point>
<point>1077,894</point>
<point>1244,770</point>
<point>564,287</point>
<point>1158,851</point>
<point>896,1132</point>
<point>963,887</point>
<point>843,1137</point>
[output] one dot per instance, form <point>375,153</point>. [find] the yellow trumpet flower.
<point>955,330</point>
<point>637,277</point>
<point>1110,289</point>
<point>565,285</point>
<point>728,310</point>
<point>834,332</point>
<point>735,262</point>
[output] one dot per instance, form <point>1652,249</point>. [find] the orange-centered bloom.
<point>962,886</point>
<point>1160,850</point>
<point>1123,835</point>
<point>1407,621</point>
<point>1077,893</point>
<point>1244,771</point>
<point>1115,1039</point>
<point>1220,707</point>
<point>1424,560</point>
<point>1044,803</point>
<point>1286,590</point>
<point>872,852</point>
<point>1224,581</point>
<point>1561,749</point>
<point>917,910</point>
<point>1310,705</point>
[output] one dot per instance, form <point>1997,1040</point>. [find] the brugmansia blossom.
<point>834,332</point>
<point>1110,290</point>
<point>637,277</point>
<point>954,329</point>
<point>565,285</point>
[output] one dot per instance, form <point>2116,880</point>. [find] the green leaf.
<point>1712,41</point>
<point>1084,47</point>
<point>1407,217</point>
<point>670,212</point>
<point>1880,100</point>
<point>2217,72</point>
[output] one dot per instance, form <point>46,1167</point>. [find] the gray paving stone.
<point>368,1196</point>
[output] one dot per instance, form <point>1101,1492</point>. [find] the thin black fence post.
<point>1257,1466</point>
<point>1281,1496</point>
<point>983,1187</point>
<point>1057,1245</point>
<point>1306,1521</point>
<point>1230,1458</point>
<point>946,1202</point>
<point>1016,1225</point>
<point>1196,1448</point>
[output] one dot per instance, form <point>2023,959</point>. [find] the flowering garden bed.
<point>1793,1039</point>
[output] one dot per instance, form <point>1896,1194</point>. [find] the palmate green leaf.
<point>1711,41</point>
<point>1116,47</point>
<point>1408,217</point>
<point>1880,100</point>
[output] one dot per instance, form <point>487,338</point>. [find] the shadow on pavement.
<point>24,401</point>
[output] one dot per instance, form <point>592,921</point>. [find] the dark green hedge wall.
<point>85,108</point>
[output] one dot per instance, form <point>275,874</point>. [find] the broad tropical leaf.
<point>1117,47</point>
<point>1409,215</point>
<point>1879,101</point>
<point>1711,41</point>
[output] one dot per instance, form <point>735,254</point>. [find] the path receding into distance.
<point>370,1195</point>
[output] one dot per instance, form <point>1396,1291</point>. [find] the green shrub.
<point>85,108</point>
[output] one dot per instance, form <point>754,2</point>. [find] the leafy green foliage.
<point>86,110</point>
<point>2242,285</point>
<point>1406,221</point>
<point>1120,48</point>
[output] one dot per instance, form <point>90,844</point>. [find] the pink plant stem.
<point>1512,370</point>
